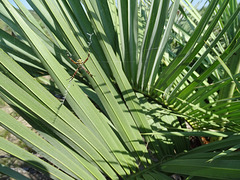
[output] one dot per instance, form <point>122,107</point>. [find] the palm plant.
<point>161,73</point>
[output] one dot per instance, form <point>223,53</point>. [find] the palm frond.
<point>161,73</point>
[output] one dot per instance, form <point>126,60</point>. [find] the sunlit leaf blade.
<point>176,67</point>
<point>38,143</point>
<point>62,112</point>
<point>200,60</point>
<point>151,41</point>
<point>128,94</point>
<point>164,81</point>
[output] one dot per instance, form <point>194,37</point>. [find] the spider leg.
<point>73,60</point>
<point>87,57</point>
<point>75,73</point>
<point>86,70</point>
<point>80,65</point>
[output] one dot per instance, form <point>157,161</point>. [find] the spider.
<point>80,64</point>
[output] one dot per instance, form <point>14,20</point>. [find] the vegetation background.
<point>163,102</point>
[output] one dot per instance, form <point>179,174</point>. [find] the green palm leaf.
<point>154,85</point>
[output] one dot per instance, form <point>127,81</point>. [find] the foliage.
<point>161,73</point>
